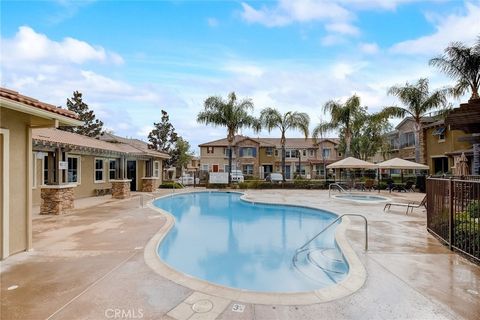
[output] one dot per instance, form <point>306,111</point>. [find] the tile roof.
<point>139,145</point>
<point>74,139</point>
<point>271,142</point>
<point>15,96</point>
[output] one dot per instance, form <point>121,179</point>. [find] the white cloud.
<point>369,48</point>
<point>453,27</point>
<point>343,28</point>
<point>244,69</point>
<point>28,46</point>
<point>212,22</point>
<point>287,12</point>
<point>332,40</point>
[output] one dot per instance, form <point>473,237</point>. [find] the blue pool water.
<point>222,239</point>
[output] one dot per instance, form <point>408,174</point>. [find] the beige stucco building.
<point>257,157</point>
<point>94,164</point>
<point>18,116</point>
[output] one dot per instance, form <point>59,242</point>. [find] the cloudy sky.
<point>131,59</point>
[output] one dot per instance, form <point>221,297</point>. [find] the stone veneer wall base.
<point>120,189</point>
<point>56,199</point>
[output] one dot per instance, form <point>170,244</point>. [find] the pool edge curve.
<point>354,280</point>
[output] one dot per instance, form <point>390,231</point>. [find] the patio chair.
<point>369,184</point>
<point>406,188</point>
<point>410,206</point>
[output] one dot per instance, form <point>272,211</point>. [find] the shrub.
<point>473,209</point>
<point>171,185</point>
<point>217,186</point>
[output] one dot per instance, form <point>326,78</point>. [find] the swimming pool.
<point>361,198</point>
<point>222,239</point>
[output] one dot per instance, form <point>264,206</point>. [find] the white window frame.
<point>245,172</point>
<point>269,151</point>
<point>205,165</point>
<point>329,153</point>
<point>210,148</point>
<point>312,153</point>
<point>156,169</point>
<point>304,152</point>
<point>108,169</point>
<point>95,170</point>
<point>79,169</point>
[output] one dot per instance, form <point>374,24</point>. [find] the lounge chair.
<point>409,205</point>
<point>407,187</point>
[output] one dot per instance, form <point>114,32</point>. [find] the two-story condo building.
<point>257,157</point>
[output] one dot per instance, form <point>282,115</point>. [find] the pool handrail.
<point>302,248</point>
<point>341,189</point>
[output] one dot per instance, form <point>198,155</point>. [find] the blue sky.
<point>132,58</point>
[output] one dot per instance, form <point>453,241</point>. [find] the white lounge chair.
<point>409,205</point>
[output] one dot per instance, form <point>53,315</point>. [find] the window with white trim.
<point>73,172</point>
<point>269,151</point>
<point>112,169</point>
<point>248,169</point>
<point>326,153</point>
<point>99,166</point>
<point>156,169</point>
<point>210,149</point>
<point>205,167</point>
<point>312,152</point>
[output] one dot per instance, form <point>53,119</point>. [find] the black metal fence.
<point>453,213</point>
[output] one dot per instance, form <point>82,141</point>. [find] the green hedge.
<point>171,185</point>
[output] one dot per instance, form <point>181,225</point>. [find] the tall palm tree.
<point>271,118</point>
<point>232,114</point>
<point>418,101</point>
<point>462,64</point>
<point>343,118</point>
<point>319,132</point>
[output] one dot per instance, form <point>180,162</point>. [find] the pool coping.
<point>352,282</point>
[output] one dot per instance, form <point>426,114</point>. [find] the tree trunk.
<point>348,141</point>
<point>283,162</point>
<point>229,164</point>
<point>417,142</point>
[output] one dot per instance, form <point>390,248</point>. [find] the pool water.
<point>222,239</point>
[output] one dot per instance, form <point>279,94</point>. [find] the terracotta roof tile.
<point>69,138</point>
<point>273,142</point>
<point>15,96</point>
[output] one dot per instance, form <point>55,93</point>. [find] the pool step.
<point>323,265</point>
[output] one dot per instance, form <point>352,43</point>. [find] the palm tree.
<point>462,64</point>
<point>343,118</point>
<point>232,114</point>
<point>418,101</point>
<point>318,132</point>
<point>271,118</point>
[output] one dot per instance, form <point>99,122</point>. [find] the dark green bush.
<point>216,186</point>
<point>473,209</point>
<point>171,185</point>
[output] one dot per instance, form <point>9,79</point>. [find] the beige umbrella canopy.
<point>397,163</point>
<point>462,166</point>
<point>351,163</point>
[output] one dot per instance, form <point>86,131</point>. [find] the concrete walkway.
<point>90,265</point>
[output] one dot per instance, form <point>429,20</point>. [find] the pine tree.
<point>163,138</point>
<point>92,127</point>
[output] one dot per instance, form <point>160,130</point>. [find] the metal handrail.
<point>335,185</point>
<point>302,248</point>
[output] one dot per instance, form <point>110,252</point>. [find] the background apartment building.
<point>257,157</point>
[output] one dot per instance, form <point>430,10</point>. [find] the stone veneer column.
<point>120,189</point>
<point>57,199</point>
<point>148,184</point>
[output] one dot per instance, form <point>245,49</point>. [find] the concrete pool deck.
<point>90,264</point>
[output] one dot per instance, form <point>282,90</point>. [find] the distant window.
<point>156,169</point>
<point>73,169</point>
<point>312,153</point>
<point>248,152</point>
<point>112,169</point>
<point>210,149</point>
<point>290,153</point>
<point>99,170</point>
<point>276,152</point>
<point>407,139</point>
<point>339,154</point>
<point>440,132</point>
<point>205,167</point>
<point>45,169</point>
<point>269,151</point>
<point>248,169</point>
<point>326,153</point>
<point>304,152</point>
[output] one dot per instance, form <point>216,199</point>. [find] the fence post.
<point>451,233</point>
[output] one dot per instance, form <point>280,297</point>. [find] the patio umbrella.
<point>462,166</point>
<point>351,163</point>
<point>397,163</point>
<point>402,164</point>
